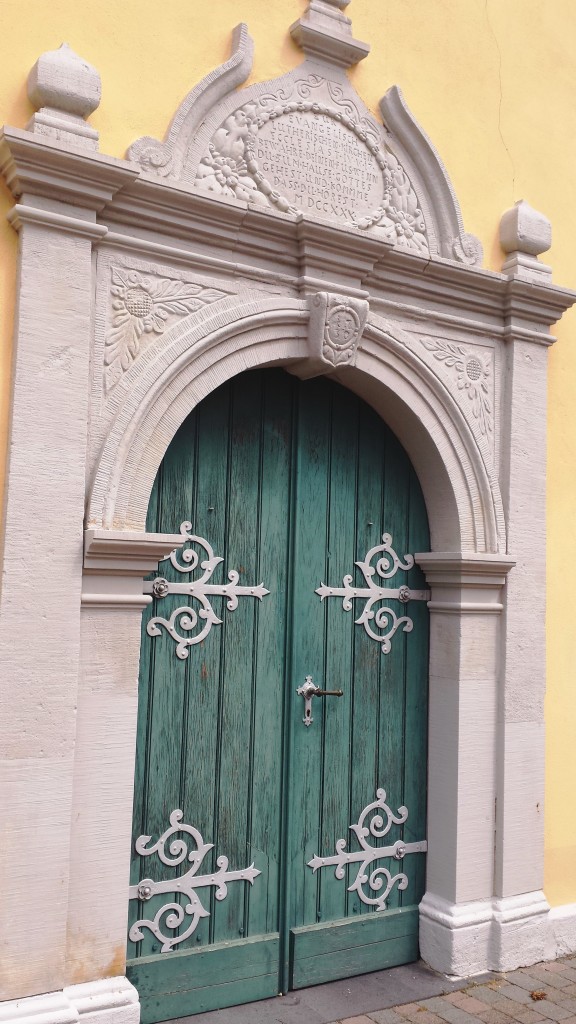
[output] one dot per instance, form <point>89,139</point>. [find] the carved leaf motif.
<point>143,304</point>
<point>473,374</point>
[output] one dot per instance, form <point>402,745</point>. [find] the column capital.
<point>465,581</point>
<point>116,562</point>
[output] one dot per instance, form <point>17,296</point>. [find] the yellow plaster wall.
<point>493,82</point>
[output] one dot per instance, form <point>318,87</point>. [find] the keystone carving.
<point>335,328</point>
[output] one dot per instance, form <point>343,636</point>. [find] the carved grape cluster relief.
<point>472,370</point>
<point>146,304</point>
<point>307,149</point>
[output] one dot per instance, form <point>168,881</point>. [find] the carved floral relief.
<point>471,369</point>
<point>307,148</point>
<point>145,304</point>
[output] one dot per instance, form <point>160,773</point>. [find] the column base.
<point>107,1001</point>
<point>455,938</point>
<point>485,935</point>
<point>519,931</point>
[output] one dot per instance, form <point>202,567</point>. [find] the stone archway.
<point>231,272</point>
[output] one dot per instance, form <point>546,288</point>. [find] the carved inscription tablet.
<point>308,149</point>
<point>319,164</point>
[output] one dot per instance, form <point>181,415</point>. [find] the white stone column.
<point>60,183</point>
<point>520,906</point>
<point>465,669</point>
<point>112,603</point>
<point>40,595</point>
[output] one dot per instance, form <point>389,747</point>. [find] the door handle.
<point>308,691</point>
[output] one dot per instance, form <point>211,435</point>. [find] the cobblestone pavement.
<point>545,992</point>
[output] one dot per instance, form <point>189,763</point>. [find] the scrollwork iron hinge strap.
<point>384,618</point>
<point>187,884</point>
<point>367,855</point>
<point>201,590</point>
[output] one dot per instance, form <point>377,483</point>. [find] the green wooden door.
<point>289,485</point>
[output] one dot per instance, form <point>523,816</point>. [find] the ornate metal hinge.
<point>368,855</point>
<point>201,590</point>
<point>385,619</point>
<point>175,913</point>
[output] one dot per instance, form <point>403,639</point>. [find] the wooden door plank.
<point>366,771</point>
<point>338,713</point>
<point>208,517</point>
<point>416,745</point>
<point>210,979</point>
<point>269,752</point>
<point>308,654</point>
<point>237,670</point>
<point>354,947</point>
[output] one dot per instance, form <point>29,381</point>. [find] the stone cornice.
<point>305,252</point>
<point>22,214</point>
<point>47,168</point>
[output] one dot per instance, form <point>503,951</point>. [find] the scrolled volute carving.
<point>467,249</point>
<point>153,156</point>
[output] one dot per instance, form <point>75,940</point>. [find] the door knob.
<point>309,690</point>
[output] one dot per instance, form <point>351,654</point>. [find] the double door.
<point>261,812</point>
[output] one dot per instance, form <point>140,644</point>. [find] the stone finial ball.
<point>64,81</point>
<point>523,229</point>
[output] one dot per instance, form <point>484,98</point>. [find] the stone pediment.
<point>306,145</point>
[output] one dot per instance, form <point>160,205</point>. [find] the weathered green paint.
<point>291,483</point>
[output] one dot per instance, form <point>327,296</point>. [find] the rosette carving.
<point>472,371</point>
<point>145,304</point>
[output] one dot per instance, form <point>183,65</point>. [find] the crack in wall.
<point>499,52</point>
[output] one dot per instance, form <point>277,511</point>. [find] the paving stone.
<point>490,1016</point>
<point>356,1020</point>
<point>488,999</point>
<point>569,1003</point>
<point>528,1016</point>
<point>514,992</point>
<point>511,1006</point>
<point>568,971</point>
<point>386,1017</point>
<point>559,996</point>
<point>426,1017</point>
<point>466,1002</point>
<point>552,1011</point>
<point>487,994</point>
<point>528,981</point>
<point>449,1012</point>
<point>548,977</point>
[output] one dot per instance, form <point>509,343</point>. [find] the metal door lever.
<point>309,690</point>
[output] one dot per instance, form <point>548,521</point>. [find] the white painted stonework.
<point>146,283</point>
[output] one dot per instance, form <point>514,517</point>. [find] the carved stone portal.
<point>305,144</point>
